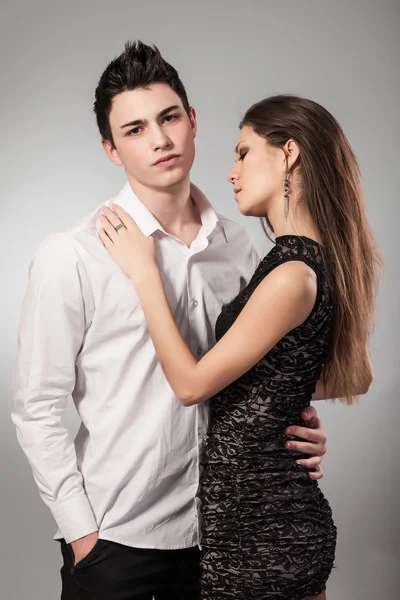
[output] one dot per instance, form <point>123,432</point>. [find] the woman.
<point>267,530</point>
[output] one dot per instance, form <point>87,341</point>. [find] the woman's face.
<point>258,174</point>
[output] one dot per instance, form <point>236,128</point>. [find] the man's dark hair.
<point>138,66</point>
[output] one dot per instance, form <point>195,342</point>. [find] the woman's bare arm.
<point>280,303</point>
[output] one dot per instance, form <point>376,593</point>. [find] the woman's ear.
<point>292,154</point>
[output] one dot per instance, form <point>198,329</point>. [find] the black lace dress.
<point>267,530</point>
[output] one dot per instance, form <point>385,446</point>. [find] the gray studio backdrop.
<point>342,54</point>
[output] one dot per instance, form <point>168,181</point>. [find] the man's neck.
<point>173,209</point>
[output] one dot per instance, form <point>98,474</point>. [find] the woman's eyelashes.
<point>242,154</point>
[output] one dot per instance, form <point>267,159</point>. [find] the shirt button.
<point>195,303</point>
<point>199,351</point>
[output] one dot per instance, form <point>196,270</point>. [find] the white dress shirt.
<point>132,471</point>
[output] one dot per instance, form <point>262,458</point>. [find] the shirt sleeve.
<point>50,336</point>
<point>252,254</point>
<point>255,255</point>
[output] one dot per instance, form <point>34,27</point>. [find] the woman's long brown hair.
<point>331,192</point>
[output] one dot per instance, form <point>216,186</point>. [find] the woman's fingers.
<point>112,217</point>
<point>124,217</point>
<point>108,227</point>
<point>105,240</point>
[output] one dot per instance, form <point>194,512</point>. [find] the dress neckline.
<point>281,239</point>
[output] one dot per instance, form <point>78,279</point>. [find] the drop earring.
<point>286,194</point>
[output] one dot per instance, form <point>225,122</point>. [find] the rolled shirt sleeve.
<point>51,334</point>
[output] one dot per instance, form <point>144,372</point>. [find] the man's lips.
<point>167,160</point>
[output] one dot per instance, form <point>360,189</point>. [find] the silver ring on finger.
<point>117,227</point>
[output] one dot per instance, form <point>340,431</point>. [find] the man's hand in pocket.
<point>83,546</point>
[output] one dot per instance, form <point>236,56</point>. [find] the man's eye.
<point>134,131</point>
<point>170,118</point>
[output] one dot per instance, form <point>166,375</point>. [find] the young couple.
<point>122,312</point>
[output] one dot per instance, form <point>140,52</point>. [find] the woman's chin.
<point>247,211</point>
<point>244,208</point>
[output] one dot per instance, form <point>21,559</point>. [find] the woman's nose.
<point>231,176</point>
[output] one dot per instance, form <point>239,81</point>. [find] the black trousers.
<point>115,572</point>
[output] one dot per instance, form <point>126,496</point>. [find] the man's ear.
<point>111,152</point>
<point>193,120</point>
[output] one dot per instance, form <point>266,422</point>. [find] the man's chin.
<point>167,181</point>
<point>174,177</point>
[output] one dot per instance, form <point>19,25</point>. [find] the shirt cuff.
<point>75,518</point>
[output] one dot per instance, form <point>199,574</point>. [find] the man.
<point>124,493</point>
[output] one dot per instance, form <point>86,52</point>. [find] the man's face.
<point>149,125</point>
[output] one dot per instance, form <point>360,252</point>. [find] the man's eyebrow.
<point>144,121</point>
<point>134,123</point>
<point>167,110</point>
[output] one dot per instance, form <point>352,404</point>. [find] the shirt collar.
<point>209,217</point>
<point>147,222</point>
<point>143,218</point>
